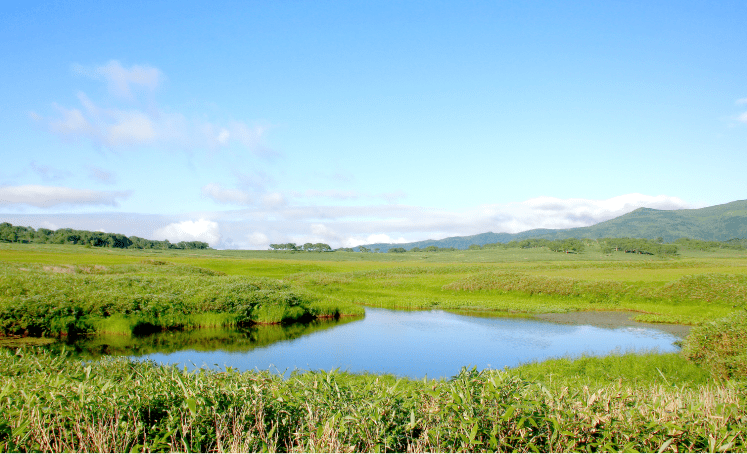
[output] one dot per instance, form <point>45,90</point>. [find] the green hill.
<point>716,223</point>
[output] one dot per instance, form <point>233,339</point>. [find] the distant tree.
<point>8,233</point>
<point>364,249</point>
<point>637,246</point>
<point>397,250</point>
<point>318,247</point>
<point>415,249</point>
<point>569,245</point>
<point>43,235</point>
<point>474,247</point>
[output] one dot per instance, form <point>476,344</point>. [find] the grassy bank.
<point>50,300</point>
<point>665,292</point>
<point>49,403</point>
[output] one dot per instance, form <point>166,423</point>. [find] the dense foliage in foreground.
<point>54,300</point>
<point>51,403</point>
<point>721,346</point>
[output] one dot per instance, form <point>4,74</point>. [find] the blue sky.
<point>249,123</point>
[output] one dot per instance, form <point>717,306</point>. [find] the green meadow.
<point>52,401</point>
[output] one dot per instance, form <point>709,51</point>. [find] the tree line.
<point>735,244</point>
<point>607,245</point>
<point>308,247</point>
<point>19,234</point>
<point>576,246</point>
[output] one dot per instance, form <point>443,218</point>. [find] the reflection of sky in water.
<point>433,343</point>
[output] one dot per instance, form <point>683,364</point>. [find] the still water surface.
<point>414,344</point>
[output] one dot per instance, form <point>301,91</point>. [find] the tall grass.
<point>634,369</point>
<point>53,404</point>
<point>48,301</point>
<point>721,346</point>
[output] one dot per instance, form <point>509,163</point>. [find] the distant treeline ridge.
<point>607,245</point>
<point>18,234</point>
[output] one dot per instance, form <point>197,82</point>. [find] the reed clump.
<point>52,403</point>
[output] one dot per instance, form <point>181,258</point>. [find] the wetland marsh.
<point>252,301</point>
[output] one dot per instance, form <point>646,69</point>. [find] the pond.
<point>415,344</point>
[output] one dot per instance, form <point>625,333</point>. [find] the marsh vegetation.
<point>51,401</point>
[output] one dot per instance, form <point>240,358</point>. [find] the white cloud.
<point>120,79</point>
<point>48,196</point>
<point>122,126</point>
<point>743,117</point>
<point>201,230</point>
<point>223,136</point>
<point>72,123</point>
<point>130,127</point>
<point>596,210</point>
<point>273,200</point>
<point>258,240</point>
<point>320,229</point>
<point>372,239</point>
<point>222,195</point>
<point>49,225</point>
<point>554,213</point>
<point>353,225</point>
<point>742,101</point>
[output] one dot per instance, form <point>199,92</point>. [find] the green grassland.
<point>54,289</point>
<point>691,401</point>
<point>57,292</point>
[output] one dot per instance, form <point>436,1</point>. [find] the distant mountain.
<point>716,223</point>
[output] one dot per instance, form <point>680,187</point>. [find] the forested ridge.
<point>720,223</point>
<point>19,234</point>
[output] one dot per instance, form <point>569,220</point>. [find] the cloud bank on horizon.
<point>341,125</point>
<point>350,226</point>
